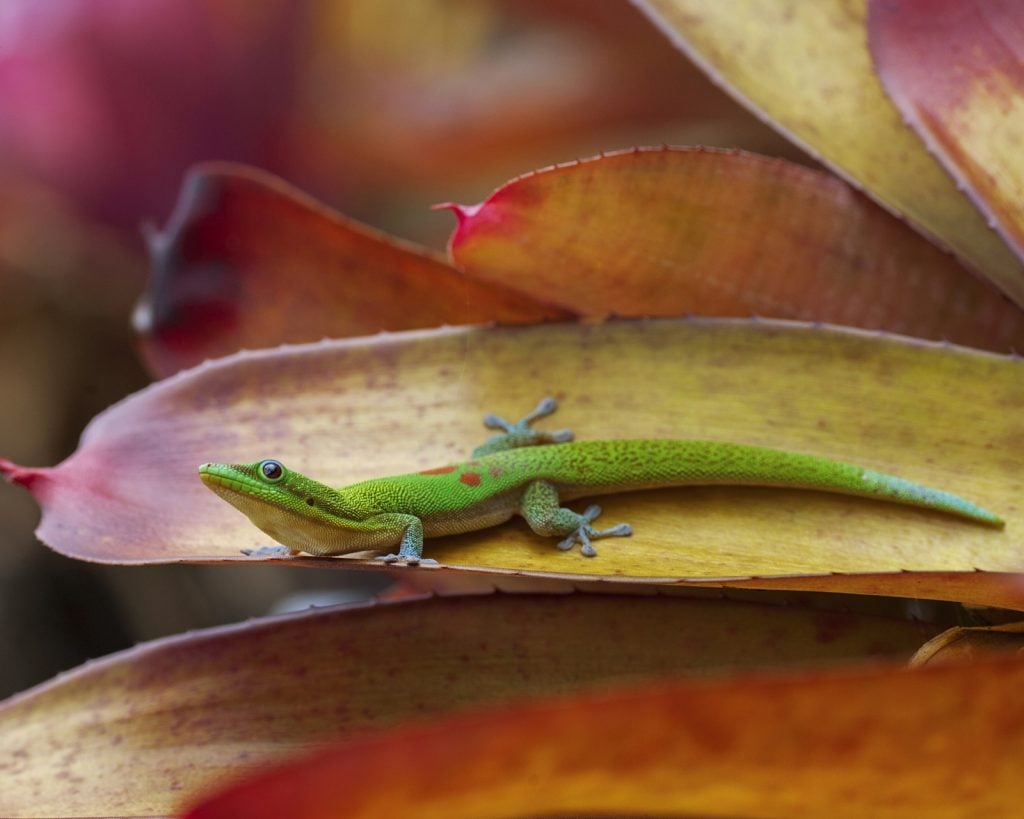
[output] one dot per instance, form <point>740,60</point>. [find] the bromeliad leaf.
<point>942,741</point>
<point>806,66</point>
<point>248,261</point>
<point>345,411</point>
<point>675,231</point>
<point>967,644</point>
<point>179,715</point>
<point>957,78</point>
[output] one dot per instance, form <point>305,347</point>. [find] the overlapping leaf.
<point>807,67</point>
<point>345,411</point>
<point>244,260</point>
<point>143,730</point>
<point>955,69</point>
<point>942,741</point>
<point>248,261</point>
<point>676,231</point>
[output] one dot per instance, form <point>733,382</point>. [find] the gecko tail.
<point>880,484</point>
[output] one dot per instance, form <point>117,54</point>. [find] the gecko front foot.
<point>586,533</point>
<point>521,433</point>
<point>268,551</point>
<point>410,560</point>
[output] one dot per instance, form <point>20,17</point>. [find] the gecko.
<point>529,472</point>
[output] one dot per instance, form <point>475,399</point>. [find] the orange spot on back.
<point>470,478</point>
<point>438,470</point>
<point>496,471</point>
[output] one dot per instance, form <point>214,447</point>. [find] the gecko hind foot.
<point>546,407</point>
<point>521,433</point>
<point>586,533</point>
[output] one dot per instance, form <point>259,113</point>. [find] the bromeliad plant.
<point>581,702</point>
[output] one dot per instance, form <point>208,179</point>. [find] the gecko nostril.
<point>310,501</point>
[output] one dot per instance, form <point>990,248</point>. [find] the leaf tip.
<point>24,476</point>
<point>462,212</point>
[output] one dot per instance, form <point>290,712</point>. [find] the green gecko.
<point>529,472</point>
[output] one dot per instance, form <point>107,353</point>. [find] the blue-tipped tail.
<point>880,484</point>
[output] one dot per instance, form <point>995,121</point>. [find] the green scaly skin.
<point>528,472</point>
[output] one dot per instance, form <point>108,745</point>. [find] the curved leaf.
<point>140,731</point>
<point>248,261</point>
<point>941,741</point>
<point>807,67</point>
<point>969,644</point>
<point>349,410</point>
<point>957,77</point>
<point>674,231</point>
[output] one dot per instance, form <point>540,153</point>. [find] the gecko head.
<point>296,511</point>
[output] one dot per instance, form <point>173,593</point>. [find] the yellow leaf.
<point>807,67</point>
<point>349,410</point>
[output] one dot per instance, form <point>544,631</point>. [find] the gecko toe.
<point>545,407</point>
<point>492,421</point>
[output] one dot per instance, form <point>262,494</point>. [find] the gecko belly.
<point>487,513</point>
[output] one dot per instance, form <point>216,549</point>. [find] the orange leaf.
<point>674,231</point>
<point>140,731</point>
<point>349,410</point>
<point>807,67</point>
<point>955,69</point>
<point>940,741</point>
<point>248,261</point>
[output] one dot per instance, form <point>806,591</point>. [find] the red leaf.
<point>248,261</point>
<point>955,69</point>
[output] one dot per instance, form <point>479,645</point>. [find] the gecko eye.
<point>271,470</point>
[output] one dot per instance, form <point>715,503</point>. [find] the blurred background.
<point>380,108</point>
